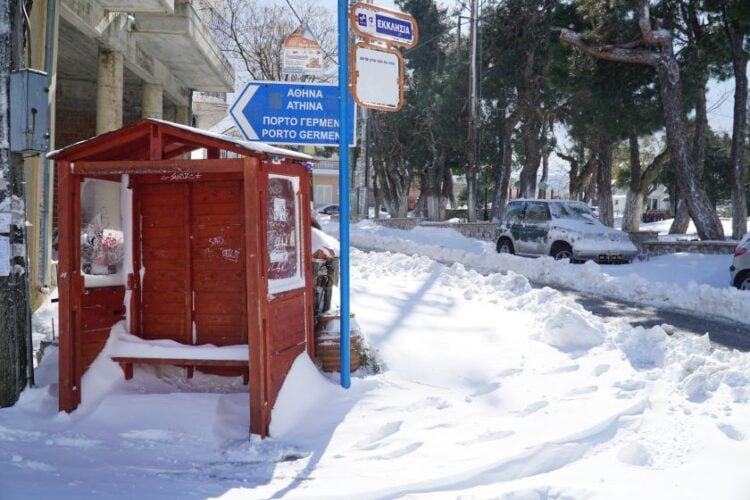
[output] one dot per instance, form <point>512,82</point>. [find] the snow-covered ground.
<point>490,389</point>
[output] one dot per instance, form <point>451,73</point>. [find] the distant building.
<point>111,63</point>
<point>657,201</point>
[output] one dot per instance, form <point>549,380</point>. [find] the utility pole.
<point>15,324</point>
<point>471,168</point>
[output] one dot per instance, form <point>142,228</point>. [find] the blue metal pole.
<point>343,9</point>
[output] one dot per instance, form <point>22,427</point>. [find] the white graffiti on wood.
<point>181,176</point>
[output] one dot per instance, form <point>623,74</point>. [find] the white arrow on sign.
<point>239,117</point>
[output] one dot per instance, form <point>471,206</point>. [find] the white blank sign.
<point>378,78</point>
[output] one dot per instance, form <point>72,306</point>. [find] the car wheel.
<point>742,281</point>
<point>504,245</point>
<point>561,250</point>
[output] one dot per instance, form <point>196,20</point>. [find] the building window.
<point>323,194</point>
<point>102,242</point>
<point>284,236</point>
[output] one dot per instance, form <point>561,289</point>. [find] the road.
<point>721,332</point>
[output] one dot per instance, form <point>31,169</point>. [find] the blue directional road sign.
<point>390,26</point>
<point>291,113</point>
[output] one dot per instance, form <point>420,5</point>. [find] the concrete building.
<point>111,63</point>
<point>657,201</point>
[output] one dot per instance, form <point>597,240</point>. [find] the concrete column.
<point>182,116</point>
<point>108,91</point>
<point>153,100</point>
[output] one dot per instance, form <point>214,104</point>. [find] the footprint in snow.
<point>508,372</point>
<point>533,408</point>
<point>565,369</point>
<point>430,402</point>
<point>630,385</point>
<point>580,391</point>
<point>635,454</point>
<point>372,441</point>
<point>487,436</point>
<point>486,389</point>
<point>601,369</point>
<point>731,432</point>
<point>400,452</point>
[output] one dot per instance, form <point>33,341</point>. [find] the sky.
<point>487,388</point>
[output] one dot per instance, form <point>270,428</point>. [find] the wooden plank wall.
<point>218,262</point>
<point>165,242</point>
<point>101,308</point>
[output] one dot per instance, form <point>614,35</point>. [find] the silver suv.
<point>740,269</point>
<point>563,229</point>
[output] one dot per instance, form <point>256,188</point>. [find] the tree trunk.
<point>700,209</point>
<point>631,217</point>
<point>574,190</point>
<point>502,179</point>
<point>739,197</point>
<point>14,313</point>
<point>681,220</point>
<point>432,184</point>
<point>545,176</point>
<point>532,155</point>
<point>447,196</point>
<point>393,182</point>
<point>471,193</point>
<point>589,191</point>
<point>670,88</point>
<point>604,180</point>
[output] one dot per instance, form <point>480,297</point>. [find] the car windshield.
<point>571,210</point>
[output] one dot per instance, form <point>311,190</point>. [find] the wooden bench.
<point>127,362</point>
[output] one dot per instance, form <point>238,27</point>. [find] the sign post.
<point>377,83</point>
<point>377,77</point>
<point>390,26</point>
<point>344,193</point>
<point>291,113</point>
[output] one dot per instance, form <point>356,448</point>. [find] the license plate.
<point>610,257</point>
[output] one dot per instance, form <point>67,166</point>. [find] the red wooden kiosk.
<point>207,251</point>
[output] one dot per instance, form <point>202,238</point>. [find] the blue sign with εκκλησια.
<point>291,113</point>
<point>392,26</point>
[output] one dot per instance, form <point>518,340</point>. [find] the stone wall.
<point>653,248</point>
<point>646,241</point>
<point>478,230</point>
<point>407,224</point>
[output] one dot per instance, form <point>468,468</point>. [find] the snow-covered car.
<point>330,209</point>
<point>740,268</point>
<point>563,229</point>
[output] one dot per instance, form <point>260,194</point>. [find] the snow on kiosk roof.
<point>208,252</point>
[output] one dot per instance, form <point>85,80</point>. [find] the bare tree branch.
<point>609,52</point>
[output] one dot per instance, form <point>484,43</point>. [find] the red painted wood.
<point>165,296</point>
<point>287,321</point>
<point>180,361</point>
<point>155,143</point>
<point>307,259</point>
<point>164,168</point>
<point>218,250</point>
<point>231,211</point>
<point>68,399</point>
<point>134,279</point>
<point>280,363</point>
<point>255,290</point>
<point>289,330</point>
